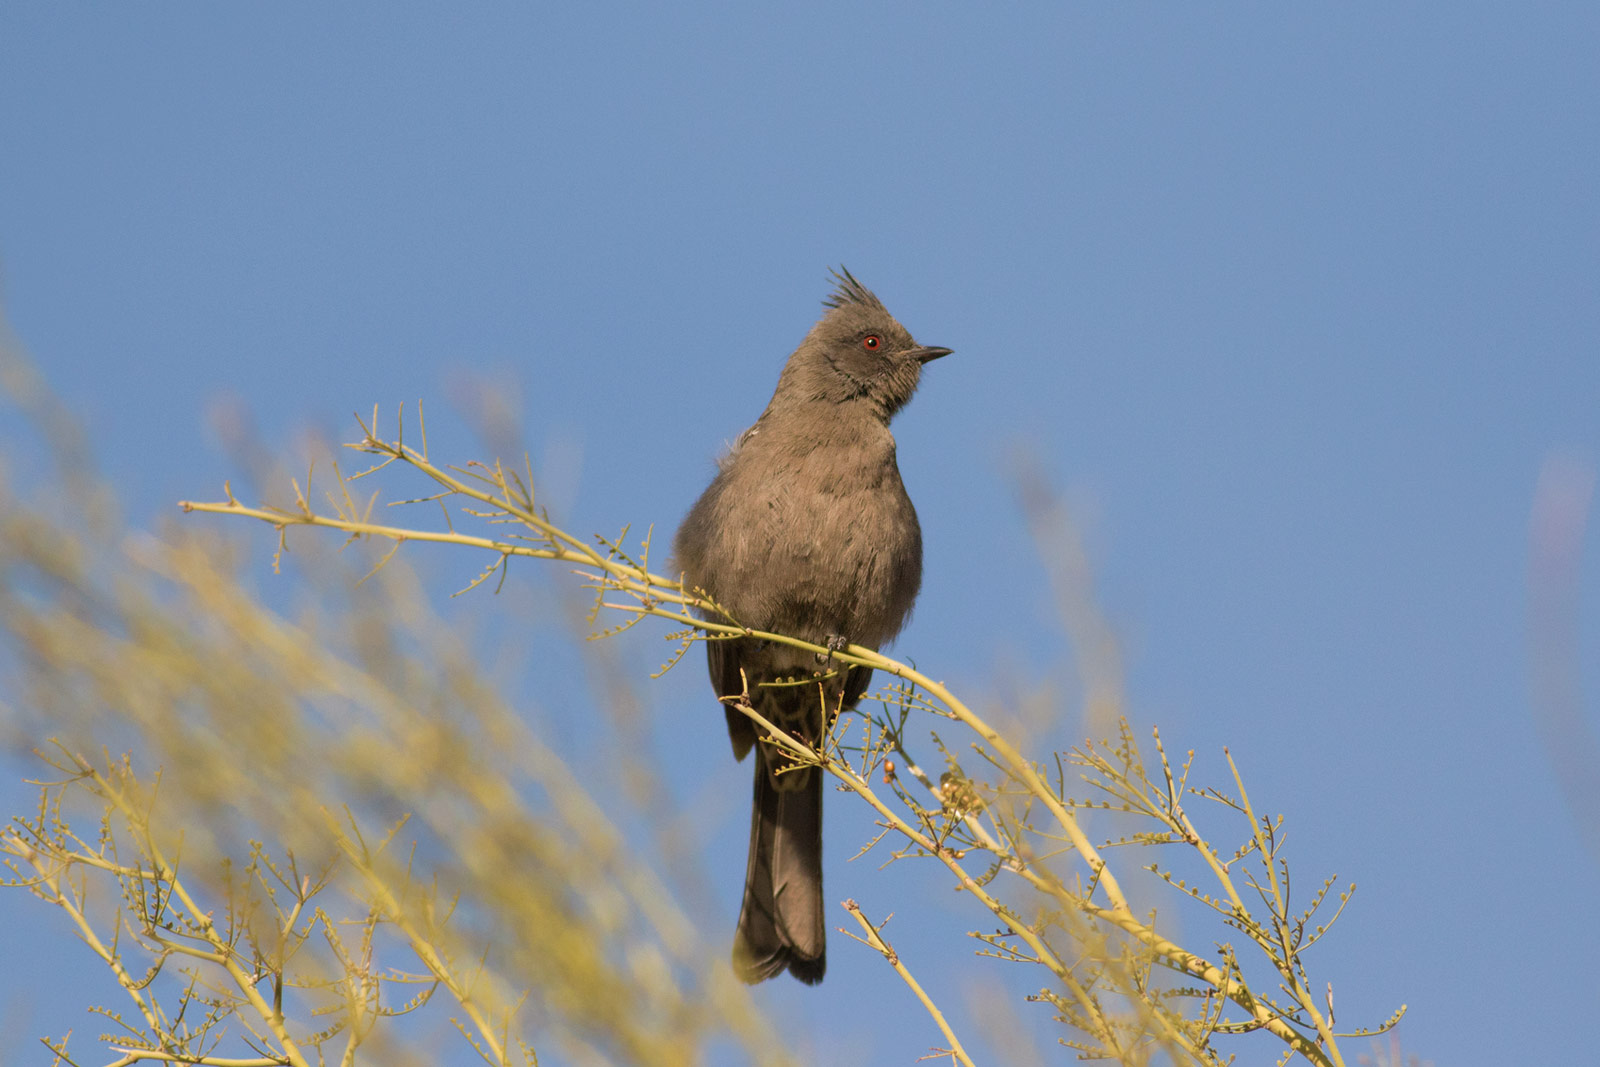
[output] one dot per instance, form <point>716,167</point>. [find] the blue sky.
<point>1292,304</point>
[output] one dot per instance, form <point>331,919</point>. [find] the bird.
<point>806,530</point>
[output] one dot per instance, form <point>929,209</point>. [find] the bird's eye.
<point>871,342</point>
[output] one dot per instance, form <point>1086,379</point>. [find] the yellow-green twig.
<point>874,938</point>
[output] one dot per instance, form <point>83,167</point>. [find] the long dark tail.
<point>781,922</point>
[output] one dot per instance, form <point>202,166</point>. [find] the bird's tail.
<point>781,921</point>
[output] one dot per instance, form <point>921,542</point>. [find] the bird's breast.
<point>827,543</point>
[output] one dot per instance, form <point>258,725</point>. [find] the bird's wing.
<point>724,658</point>
<point>856,684</point>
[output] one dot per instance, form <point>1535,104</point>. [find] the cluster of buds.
<point>957,794</point>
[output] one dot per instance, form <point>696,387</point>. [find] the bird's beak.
<point>928,353</point>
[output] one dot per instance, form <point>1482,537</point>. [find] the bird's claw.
<point>834,643</point>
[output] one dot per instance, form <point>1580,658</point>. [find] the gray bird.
<point>807,531</point>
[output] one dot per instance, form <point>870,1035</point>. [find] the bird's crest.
<point>850,291</point>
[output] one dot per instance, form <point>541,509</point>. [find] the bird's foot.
<point>834,643</point>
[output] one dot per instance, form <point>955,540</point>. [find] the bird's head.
<point>858,352</point>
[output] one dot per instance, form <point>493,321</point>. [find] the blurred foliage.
<point>318,824</point>
<point>308,835</point>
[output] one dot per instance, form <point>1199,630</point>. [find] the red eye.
<point>871,342</point>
